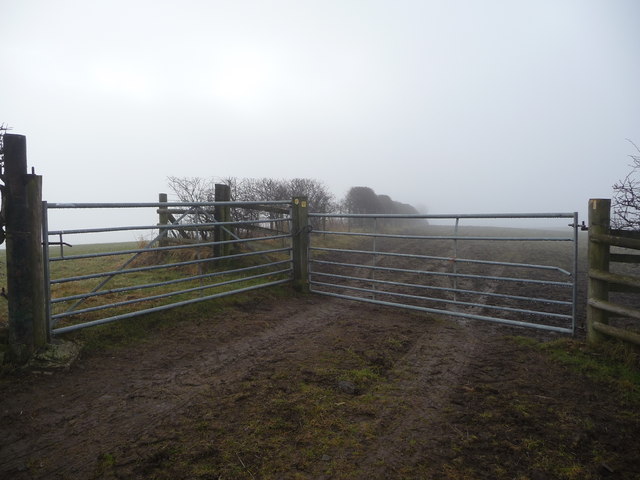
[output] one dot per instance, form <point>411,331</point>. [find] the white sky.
<point>456,105</point>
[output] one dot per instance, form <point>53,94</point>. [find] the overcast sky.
<point>459,106</point>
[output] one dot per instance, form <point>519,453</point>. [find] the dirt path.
<point>307,387</point>
<point>79,414</point>
<point>104,403</point>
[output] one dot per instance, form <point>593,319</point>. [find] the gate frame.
<point>162,209</point>
<point>574,239</point>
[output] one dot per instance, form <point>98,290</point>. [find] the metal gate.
<point>447,264</point>
<point>441,264</point>
<point>197,252</point>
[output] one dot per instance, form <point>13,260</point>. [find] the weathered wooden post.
<point>300,244</point>
<point>226,216</point>
<point>25,276</point>
<point>222,213</point>
<point>598,253</point>
<point>163,219</point>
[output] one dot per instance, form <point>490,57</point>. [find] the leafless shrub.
<point>626,197</point>
<point>195,189</point>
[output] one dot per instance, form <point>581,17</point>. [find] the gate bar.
<point>170,226</point>
<point>449,237</point>
<point>448,259</point>
<point>163,284</point>
<point>444,274</point>
<point>444,300</point>
<point>161,308</point>
<point>162,249</point>
<point>165,204</point>
<point>453,313</point>
<point>159,267</point>
<point>445,289</point>
<point>58,316</point>
<point>419,216</point>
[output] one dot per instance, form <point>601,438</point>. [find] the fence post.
<point>598,254</point>
<point>25,276</point>
<point>221,213</point>
<point>300,244</point>
<point>163,219</point>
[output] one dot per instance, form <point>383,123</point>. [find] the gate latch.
<point>582,226</point>
<point>62,245</point>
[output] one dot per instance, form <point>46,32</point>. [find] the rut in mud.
<point>309,387</point>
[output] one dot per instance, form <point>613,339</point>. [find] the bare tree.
<point>195,189</point>
<point>319,197</point>
<point>192,189</point>
<point>626,197</point>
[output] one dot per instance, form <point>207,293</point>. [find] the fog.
<point>453,106</point>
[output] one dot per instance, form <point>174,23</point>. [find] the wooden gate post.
<point>25,276</point>
<point>221,213</point>
<point>598,253</point>
<point>163,219</point>
<point>300,244</point>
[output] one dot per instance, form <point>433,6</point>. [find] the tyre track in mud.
<point>76,422</point>
<point>422,382</point>
<point>427,376</point>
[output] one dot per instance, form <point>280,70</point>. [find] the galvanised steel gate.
<point>197,252</point>
<point>524,277</point>
<point>201,251</point>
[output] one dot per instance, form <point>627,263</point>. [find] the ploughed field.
<point>283,385</point>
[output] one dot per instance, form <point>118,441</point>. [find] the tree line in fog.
<point>358,200</point>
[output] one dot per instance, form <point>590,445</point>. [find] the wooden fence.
<point>607,317</point>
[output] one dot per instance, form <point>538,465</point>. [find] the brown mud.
<point>315,387</point>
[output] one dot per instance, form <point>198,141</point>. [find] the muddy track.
<point>423,383</point>
<point>59,426</point>
<point>190,401</point>
<point>77,415</point>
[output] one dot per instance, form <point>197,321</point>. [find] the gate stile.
<point>369,281</point>
<point>269,272</point>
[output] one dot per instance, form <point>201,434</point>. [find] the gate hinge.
<point>582,226</point>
